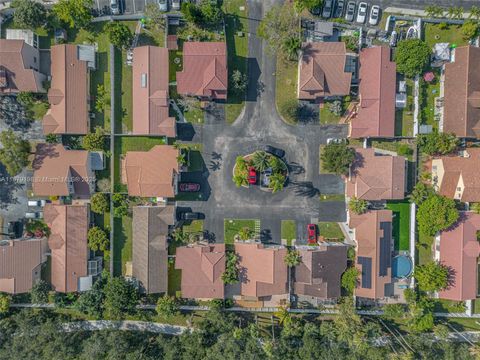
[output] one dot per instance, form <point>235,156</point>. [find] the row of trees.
<point>453,12</point>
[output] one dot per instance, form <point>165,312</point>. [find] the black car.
<point>274,151</point>
<point>191,216</point>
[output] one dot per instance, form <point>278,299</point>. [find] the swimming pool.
<point>401,266</point>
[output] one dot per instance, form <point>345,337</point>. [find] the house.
<point>150,92</point>
<point>461,112</point>
<point>20,67</point>
<point>322,71</point>
<point>62,172</point>
<point>73,269</point>
<point>152,173</point>
<point>204,70</point>
<point>21,263</point>
<point>376,109</point>
<point>319,274</point>
<point>373,235</point>
<point>151,225</point>
<point>456,177</point>
<point>459,251</point>
<point>263,272</point>
<point>69,94</point>
<point>376,176</point>
<point>202,267</point>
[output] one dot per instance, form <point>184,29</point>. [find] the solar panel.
<point>366,263</point>
<point>385,248</point>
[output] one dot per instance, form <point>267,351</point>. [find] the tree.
<point>293,258</point>
<point>276,164</point>
<point>475,12</point>
<point>240,180</point>
<point>434,11</point>
<point>102,98</point>
<point>191,12</point>
<point>74,13</point>
<point>469,29</point>
<point>211,13</point>
<point>358,206</point>
<point>435,214</point>
<point>279,24</point>
<point>420,193</point>
<point>337,158</point>
<point>230,276</point>
<point>291,47</point>
<point>99,203</point>
<point>120,205</point>
<point>97,239</point>
<point>393,311</point>
<point>91,302</point>
<point>290,109</point>
<point>25,98</point>
<point>301,5</point>
<point>119,34</point>
<point>29,14</point>
<point>350,279</point>
<point>260,160</point>
<point>167,306</point>
<point>5,300</point>
<point>94,141</point>
<point>121,298</point>
<point>475,207</point>
<point>245,233</point>
<point>154,15</point>
<point>455,12</point>
<point>51,138</point>
<point>437,143</point>
<point>412,57</point>
<point>39,293</point>
<point>431,276</point>
<point>239,81</point>
<point>277,182</point>
<point>15,152</point>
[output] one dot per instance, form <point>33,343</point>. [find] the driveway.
<point>260,125</point>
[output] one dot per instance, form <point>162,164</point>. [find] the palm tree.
<point>475,12</point>
<point>240,180</point>
<point>260,160</point>
<point>358,206</point>
<point>181,159</point>
<point>455,12</point>
<point>291,47</point>
<point>277,181</point>
<point>283,315</point>
<point>292,258</point>
<point>434,11</point>
<point>276,164</point>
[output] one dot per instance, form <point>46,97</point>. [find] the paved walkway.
<point>126,325</point>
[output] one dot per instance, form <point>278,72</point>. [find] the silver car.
<point>339,9</point>
<point>327,9</point>
<point>114,7</point>
<point>176,4</point>
<point>34,215</point>
<point>362,13</point>
<point>374,15</point>
<point>162,5</point>
<point>350,14</point>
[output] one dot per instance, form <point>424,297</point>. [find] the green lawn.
<point>322,170</point>
<point>122,244</point>
<point>174,280</point>
<point>429,92</point>
<point>443,305</point>
<point>130,143</point>
<point>404,117</point>
<point>332,197</point>
<point>400,147</point>
<point>289,231</point>
<point>233,226</point>
<point>39,109</point>
<point>452,35</point>
<point>331,231</point>
<point>195,226</point>
<point>424,247</point>
<point>236,21</point>
<point>286,86</point>
<point>195,114</point>
<point>175,62</point>
<point>327,117</point>
<point>401,223</point>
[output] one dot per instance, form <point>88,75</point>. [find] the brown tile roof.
<point>150,92</point>
<point>68,243</point>
<point>202,268</point>
<point>54,165</point>
<point>17,59</point>
<point>263,270</point>
<point>322,70</point>
<point>376,111</point>
<point>204,70</point>
<point>462,93</point>
<point>459,250</point>
<point>376,177</point>
<point>68,113</point>
<point>319,274</point>
<point>151,173</point>
<point>150,255</point>
<point>20,264</point>
<point>376,275</point>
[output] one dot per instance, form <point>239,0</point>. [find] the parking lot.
<point>127,7</point>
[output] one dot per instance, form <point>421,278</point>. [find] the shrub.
<point>94,141</point>
<point>290,109</point>
<point>437,143</point>
<point>335,107</point>
<point>97,239</point>
<point>121,298</point>
<point>337,158</point>
<point>39,293</point>
<point>167,306</point>
<point>99,203</point>
<point>350,279</point>
<point>404,150</point>
<point>5,301</point>
<point>358,206</point>
<point>230,276</point>
<point>412,57</point>
<point>435,214</point>
<point>293,258</point>
<point>432,276</point>
<point>15,152</point>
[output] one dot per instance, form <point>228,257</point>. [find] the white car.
<point>362,13</point>
<point>36,203</point>
<point>327,9</point>
<point>114,7</point>
<point>374,15</point>
<point>34,215</point>
<point>335,141</point>
<point>350,13</point>
<point>163,5</point>
<point>176,4</point>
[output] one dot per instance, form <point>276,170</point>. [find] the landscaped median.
<point>289,232</point>
<point>242,229</point>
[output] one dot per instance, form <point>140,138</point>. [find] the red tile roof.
<point>376,111</point>
<point>150,92</point>
<point>376,177</point>
<point>204,70</point>
<point>322,70</point>
<point>459,250</point>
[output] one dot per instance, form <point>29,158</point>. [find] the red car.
<point>312,233</point>
<point>252,176</point>
<point>189,187</point>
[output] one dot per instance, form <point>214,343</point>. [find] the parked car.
<point>274,151</point>
<point>312,233</point>
<point>350,13</point>
<point>34,215</point>
<point>191,216</point>
<point>374,15</point>
<point>176,4</point>
<point>266,177</point>
<point>163,5</point>
<point>252,176</point>
<point>393,38</point>
<point>335,141</point>
<point>362,13</point>
<point>327,9</point>
<point>36,203</point>
<point>189,187</point>
<point>15,229</point>
<point>339,10</point>
<point>114,7</point>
